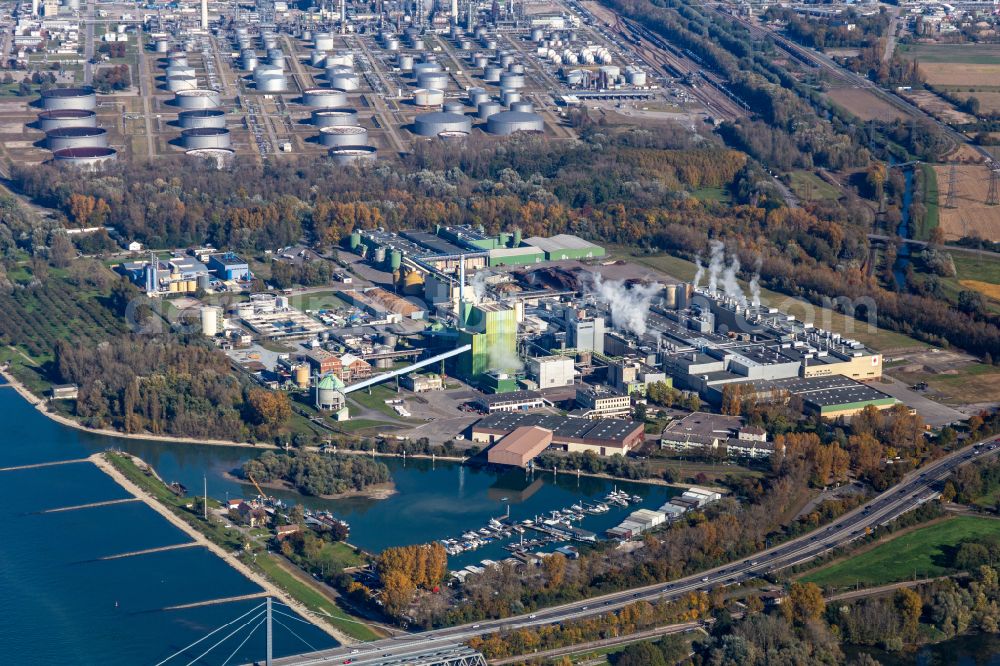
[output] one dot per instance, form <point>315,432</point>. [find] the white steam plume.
<point>505,360</point>
<point>700,273</point>
<point>716,262</point>
<point>629,306</point>
<point>478,286</point>
<point>755,284</point>
<point>730,284</point>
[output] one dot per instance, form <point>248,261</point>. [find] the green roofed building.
<point>491,329</point>
<point>565,246</point>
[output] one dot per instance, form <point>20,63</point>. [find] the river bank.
<point>378,491</point>
<point>102,463</point>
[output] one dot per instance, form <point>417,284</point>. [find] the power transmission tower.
<point>993,197</point>
<point>952,187</point>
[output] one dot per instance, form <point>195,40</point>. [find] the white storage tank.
<point>324,97</point>
<point>346,155</point>
<point>346,135</point>
<point>428,97</point>
<point>345,81</point>
<point>56,119</point>
<point>334,117</point>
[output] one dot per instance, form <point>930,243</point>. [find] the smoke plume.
<point>700,273</point>
<point>755,284</point>
<point>716,263</point>
<point>629,305</point>
<point>730,283</point>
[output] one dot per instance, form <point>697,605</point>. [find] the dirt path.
<point>233,561</point>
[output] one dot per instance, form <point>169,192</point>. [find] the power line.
<point>952,187</point>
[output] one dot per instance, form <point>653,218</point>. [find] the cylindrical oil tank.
<point>317,59</point>
<point>405,62</point>
<point>575,77</point>
<point>487,109</point>
<point>162,46</point>
<point>492,73</point>
<point>266,71</point>
<point>221,158</point>
<point>432,124</point>
<point>345,81</point>
<point>490,44</point>
<point>477,96</point>
<point>511,81</point>
<point>611,71</point>
<point>344,135</point>
<point>428,97</point>
<point>324,97</point>
<point>438,80</point>
<point>506,59</point>
<point>85,158</point>
<point>635,77</point>
<point>426,67</point>
<point>508,97</point>
<point>480,61</point>
<point>334,117</point>
<point>272,84</point>
<point>205,137</point>
<point>200,118</point>
<point>454,107</point>
<point>522,106</point>
<point>323,41</point>
<point>82,97</point>
<point>276,58</point>
<point>345,155</point>
<point>50,120</point>
<point>180,71</point>
<point>270,42</point>
<point>203,98</point>
<point>508,122</point>
<point>181,82</point>
<point>417,44</point>
<point>177,59</point>
<point>392,44</point>
<point>76,137</point>
<point>454,135</point>
<point>537,34</point>
<point>465,44</point>
<point>516,68</point>
<point>248,60</point>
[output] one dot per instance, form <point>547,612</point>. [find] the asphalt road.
<point>913,490</point>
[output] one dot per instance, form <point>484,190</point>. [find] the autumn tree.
<point>805,603</point>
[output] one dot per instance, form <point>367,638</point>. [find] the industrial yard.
<point>220,82</point>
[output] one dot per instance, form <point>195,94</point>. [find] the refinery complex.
<point>354,81</point>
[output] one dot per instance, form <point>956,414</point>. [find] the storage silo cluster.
<point>69,120</point>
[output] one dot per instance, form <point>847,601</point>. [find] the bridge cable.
<point>292,633</point>
<point>226,638</point>
<point>183,650</point>
<point>297,619</point>
<point>259,624</point>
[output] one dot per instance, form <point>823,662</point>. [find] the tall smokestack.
<point>34,7</point>
<point>461,283</point>
<point>204,14</point>
<point>343,17</point>
<point>454,12</point>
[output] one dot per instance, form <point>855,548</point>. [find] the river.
<point>63,604</point>
<point>970,650</point>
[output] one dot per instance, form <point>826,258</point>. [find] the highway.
<point>914,489</point>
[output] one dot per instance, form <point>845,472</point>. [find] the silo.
<point>324,97</point>
<point>508,122</point>
<point>334,117</point>
<point>205,137</point>
<point>379,256</point>
<point>302,375</point>
<point>209,321</point>
<point>355,240</point>
<point>76,137</point>
<point>492,73</point>
<point>518,237</point>
<point>345,155</point>
<point>395,260</point>
<point>523,105</point>
<point>181,82</point>
<point>670,297</point>
<point>345,81</point>
<point>85,158</point>
<point>487,109</point>
<point>317,59</point>
<point>323,41</point>
<point>50,120</point>
<point>82,97</point>
<point>428,97</point>
<point>436,80</point>
<point>272,84</point>
<point>201,118</point>
<point>343,135</point>
<point>432,124</point>
<point>204,98</point>
<point>248,60</point>
<point>162,46</point>
<point>405,62</point>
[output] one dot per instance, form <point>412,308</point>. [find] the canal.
<point>64,604</point>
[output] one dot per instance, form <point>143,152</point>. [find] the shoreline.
<point>266,585</point>
<point>379,491</point>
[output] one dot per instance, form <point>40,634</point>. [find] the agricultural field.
<point>964,383</point>
<point>864,104</point>
<point>938,107</point>
<point>807,186</point>
<point>918,553</point>
<point>989,100</point>
<point>969,54</point>
<point>971,215</point>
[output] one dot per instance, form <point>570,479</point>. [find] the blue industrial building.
<point>229,266</point>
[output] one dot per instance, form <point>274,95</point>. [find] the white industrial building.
<point>552,371</point>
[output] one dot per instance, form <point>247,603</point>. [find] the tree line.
<point>317,474</point>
